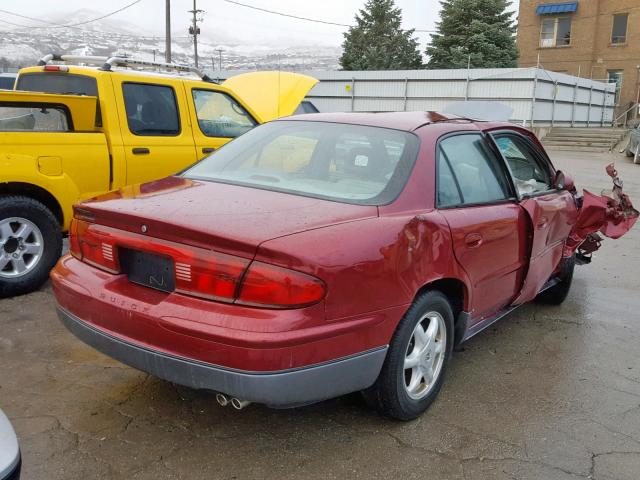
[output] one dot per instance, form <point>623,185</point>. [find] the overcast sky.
<point>224,22</point>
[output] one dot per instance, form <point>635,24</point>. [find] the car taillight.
<point>266,285</point>
<point>93,246</point>
<point>208,274</point>
<point>199,272</point>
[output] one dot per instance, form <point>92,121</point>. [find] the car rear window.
<point>342,162</point>
<point>63,83</point>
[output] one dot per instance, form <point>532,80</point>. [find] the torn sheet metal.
<point>612,216</point>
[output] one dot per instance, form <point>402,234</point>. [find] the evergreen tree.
<point>377,41</point>
<point>479,30</point>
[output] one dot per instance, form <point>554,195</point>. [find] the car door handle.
<point>207,149</point>
<point>473,240</point>
<point>140,151</point>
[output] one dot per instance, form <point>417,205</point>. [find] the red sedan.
<point>325,254</point>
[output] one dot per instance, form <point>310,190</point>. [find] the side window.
<point>448,193</point>
<point>219,115</point>
<point>529,172</point>
<point>152,110</point>
<point>42,118</point>
<point>474,167</point>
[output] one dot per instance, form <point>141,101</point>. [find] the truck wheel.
<point>558,293</point>
<point>30,244</point>
<point>416,362</point>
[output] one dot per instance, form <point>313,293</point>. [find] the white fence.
<point>538,97</point>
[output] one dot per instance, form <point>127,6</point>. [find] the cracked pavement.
<point>546,393</point>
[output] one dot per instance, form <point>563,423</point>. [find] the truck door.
<point>488,227</point>
<point>551,212</point>
<point>216,118</point>
<point>156,130</point>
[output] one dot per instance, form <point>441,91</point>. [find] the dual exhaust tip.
<point>224,400</point>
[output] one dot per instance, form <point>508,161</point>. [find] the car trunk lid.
<point>227,218</point>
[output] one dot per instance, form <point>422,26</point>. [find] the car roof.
<point>407,121</point>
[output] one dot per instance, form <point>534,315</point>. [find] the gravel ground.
<point>547,393</point>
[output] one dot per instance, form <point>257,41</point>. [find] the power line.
<point>297,17</point>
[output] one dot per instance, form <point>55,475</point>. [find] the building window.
<point>615,76</point>
<point>619,30</point>
<point>555,32</point>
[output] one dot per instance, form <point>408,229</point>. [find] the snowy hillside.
<point>21,47</point>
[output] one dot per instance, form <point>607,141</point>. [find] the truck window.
<point>60,82</point>
<point>19,118</point>
<point>219,115</point>
<point>53,82</point>
<point>152,110</point>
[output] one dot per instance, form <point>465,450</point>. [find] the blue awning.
<point>553,8</point>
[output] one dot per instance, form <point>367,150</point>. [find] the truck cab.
<point>77,127</point>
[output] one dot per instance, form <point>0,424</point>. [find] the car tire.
<point>30,244</point>
<point>392,393</point>
<point>628,153</point>
<point>558,293</point>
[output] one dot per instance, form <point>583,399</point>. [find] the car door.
<point>552,212</point>
<point>216,118</point>
<point>487,225</point>
<point>155,127</point>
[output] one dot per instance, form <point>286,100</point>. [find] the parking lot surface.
<point>546,393</point>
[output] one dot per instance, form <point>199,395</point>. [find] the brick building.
<point>598,39</point>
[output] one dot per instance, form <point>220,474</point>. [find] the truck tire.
<point>30,244</point>
<point>414,369</point>
<point>558,293</point>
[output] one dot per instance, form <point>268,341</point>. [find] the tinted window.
<point>219,115</point>
<point>51,82</point>
<point>475,168</point>
<point>529,172</point>
<point>33,119</point>
<point>6,83</point>
<point>350,163</point>
<point>151,109</point>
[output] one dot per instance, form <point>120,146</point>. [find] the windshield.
<point>348,163</point>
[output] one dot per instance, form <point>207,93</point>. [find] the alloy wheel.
<point>21,247</point>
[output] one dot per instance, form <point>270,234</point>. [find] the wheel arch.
<point>37,193</point>
<point>457,293</point>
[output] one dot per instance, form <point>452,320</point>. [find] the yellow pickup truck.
<point>70,132</point>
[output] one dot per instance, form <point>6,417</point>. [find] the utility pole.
<point>167,31</point>
<point>219,50</point>
<point>195,30</point>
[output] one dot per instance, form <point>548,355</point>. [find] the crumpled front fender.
<point>612,216</point>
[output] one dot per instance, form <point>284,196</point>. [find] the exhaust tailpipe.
<point>239,404</point>
<point>222,399</point>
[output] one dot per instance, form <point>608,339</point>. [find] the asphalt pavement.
<point>547,393</point>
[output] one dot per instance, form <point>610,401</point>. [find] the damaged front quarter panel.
<point>612,216</point>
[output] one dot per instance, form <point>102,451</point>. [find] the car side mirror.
<point>564,181</point>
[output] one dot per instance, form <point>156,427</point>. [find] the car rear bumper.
<point>284,388</point>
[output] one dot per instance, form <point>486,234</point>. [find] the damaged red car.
<point>330,253</point>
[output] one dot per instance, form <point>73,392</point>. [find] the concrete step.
<point>551,141</point>
<point>576,148</point>
<point>616,131</point>
<point>584,138</point>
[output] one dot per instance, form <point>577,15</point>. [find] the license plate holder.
<point>148,269</point>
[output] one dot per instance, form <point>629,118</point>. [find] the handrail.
<point>106,63</point>
<point>624,114</point>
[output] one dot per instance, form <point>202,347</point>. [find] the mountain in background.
<point>25,46</point>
